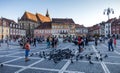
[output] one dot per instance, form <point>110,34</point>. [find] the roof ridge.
<point>29,15</point>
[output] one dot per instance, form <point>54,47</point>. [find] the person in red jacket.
<point>27,49</point>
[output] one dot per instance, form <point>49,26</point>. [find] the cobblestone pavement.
<point>13,60</point>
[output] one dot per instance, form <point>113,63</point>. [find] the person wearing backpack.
<point>110,44</point>
<point>27,50</point>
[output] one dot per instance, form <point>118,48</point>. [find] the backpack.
<point>111,40</point>
<point>27,46</point>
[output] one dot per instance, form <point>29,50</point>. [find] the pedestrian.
<point>96,42</point>
<point>110,44</point>
<point>100,38</point>
<point>48,42</point>
<point>115,42</point>
<point>34,42</point>
<point>82,42</point>
<point>27,50</point>
<point>56,42</point>
<point>79,43</point>
<point>86,41</point>
<point>53,42</point>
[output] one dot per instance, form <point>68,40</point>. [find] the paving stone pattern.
<point>13,60</point>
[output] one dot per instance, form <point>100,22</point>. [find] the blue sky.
<point>86,12</point>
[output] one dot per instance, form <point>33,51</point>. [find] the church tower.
<point>47,14</point>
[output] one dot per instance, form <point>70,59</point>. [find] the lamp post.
<point>107,12</point>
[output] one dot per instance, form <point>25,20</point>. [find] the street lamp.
<point>107,12</point>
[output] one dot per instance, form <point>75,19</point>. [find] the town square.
<point>59,36</point>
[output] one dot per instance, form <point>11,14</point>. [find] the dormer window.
<point>11,25</point>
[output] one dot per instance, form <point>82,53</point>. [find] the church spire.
<point>47,14</point>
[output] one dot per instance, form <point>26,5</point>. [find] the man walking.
<point>96,42</point>
<point>110,44</point>
<point>34,42</point>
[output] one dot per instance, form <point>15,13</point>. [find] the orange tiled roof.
<point>30,16</point>
<point>37,17</point>
<point>43,18</point>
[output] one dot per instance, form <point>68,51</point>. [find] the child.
<point>27,49</point>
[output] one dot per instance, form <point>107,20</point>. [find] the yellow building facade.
<point>4,32</point>
<point>62,27</point>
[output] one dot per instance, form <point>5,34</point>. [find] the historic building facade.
<point>62,27</point>
<point>59,27</point>
<point>10,29</point>
<point>115,28</point>
<point>4,28</point>
<point>17,30</point>
<point>102,28</point>
<point>43,30</point>
<point>94,30</point>
<point>31,21</point>
<point>108,27</point>
<point>80,30</point>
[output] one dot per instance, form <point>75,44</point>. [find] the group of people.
<point>52,42</point>
<point>111,41</point>
<point>32,41</point>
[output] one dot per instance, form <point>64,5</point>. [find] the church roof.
<point>30,16</point>
<point>42,18</point>
<point>35,17</point>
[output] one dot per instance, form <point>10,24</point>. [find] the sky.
<point>86,12</point>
